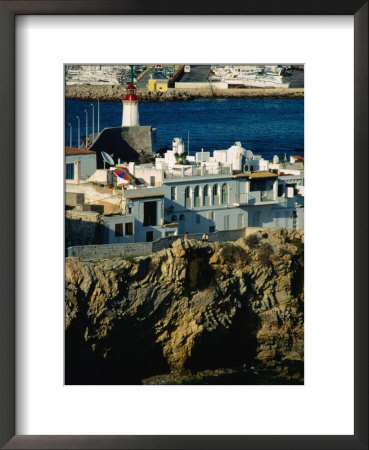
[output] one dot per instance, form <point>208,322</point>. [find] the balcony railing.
<point>266,196</point>
<point>206,200</point>
<point>194,171</point>
<point>255,197</point>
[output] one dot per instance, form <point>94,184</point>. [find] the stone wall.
<point>111,250</point>
<point>146,248</point>
<point>82,227</point>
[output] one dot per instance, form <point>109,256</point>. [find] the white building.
<point>179,193</point>
<point>205,194</point>
<point>80,164</point>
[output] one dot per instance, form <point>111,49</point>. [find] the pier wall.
<point>114,93</point>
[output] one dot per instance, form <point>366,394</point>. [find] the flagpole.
<point>98,116</point>
<point>86,143</point>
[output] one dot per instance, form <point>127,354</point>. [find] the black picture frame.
<point>8,11</point>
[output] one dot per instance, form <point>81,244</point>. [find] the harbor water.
<point>267,126</point>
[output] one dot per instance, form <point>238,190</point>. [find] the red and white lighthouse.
<point>130,116</point>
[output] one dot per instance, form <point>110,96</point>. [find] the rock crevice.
<point>189,308</point>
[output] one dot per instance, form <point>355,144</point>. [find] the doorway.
<point>149,213</point>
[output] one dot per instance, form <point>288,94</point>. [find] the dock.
<point>114,93</point>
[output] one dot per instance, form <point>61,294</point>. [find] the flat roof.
<point>256,175</point>
<point>78,151</point>
<point>143,196</point>
<point>262,174</point>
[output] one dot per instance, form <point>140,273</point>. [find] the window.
<point>280,190</point>
<point>128,228</point>
<point>187,198</point>
<point>240,221</point>
<point>70,171</point>
<point>258,185</point>
<point>215,195</point>
<point>182,217</point>
<point>149,213</point>
<point>174,218</point>
<point>291,188</point>
<point>211,215</point>
<point>206,198</point>
<point>173,193</point>
<point>226,222</point>
<point>118,229</point>
<point>224,193</point>
<point>196,194</point>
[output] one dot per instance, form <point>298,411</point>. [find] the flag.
<point>124,174</point>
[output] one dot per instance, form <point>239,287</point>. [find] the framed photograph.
<point>103,387</point>
<point>206,235</point>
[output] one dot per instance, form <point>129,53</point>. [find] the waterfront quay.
<point>114,93</point>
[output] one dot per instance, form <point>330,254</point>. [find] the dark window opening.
<point>149,213</point>
<point>196,194</point>
<point>70,171</point>
<point>224,193</point>
<point>128,228</point>
<point>149,236</point>
<point>258,185</point>
<point>118,229</point>
<point>280,190</point>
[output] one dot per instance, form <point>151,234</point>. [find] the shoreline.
<point>113,93</point>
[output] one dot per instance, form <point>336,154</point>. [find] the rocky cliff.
<point>187,312</point>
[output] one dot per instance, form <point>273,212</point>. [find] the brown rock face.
<point>189,308</point>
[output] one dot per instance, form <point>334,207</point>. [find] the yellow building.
<point>157,85</point>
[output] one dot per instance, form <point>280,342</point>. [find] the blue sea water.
<point>265,126</point>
